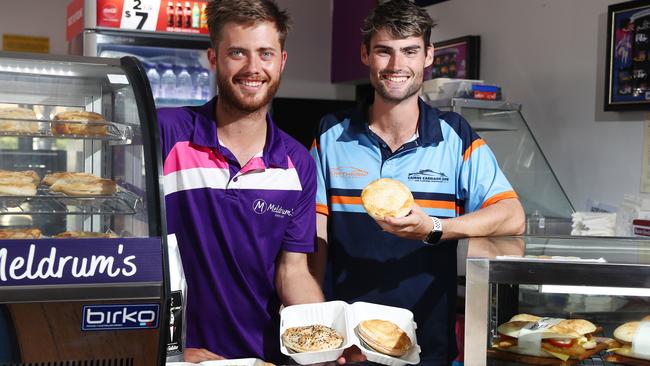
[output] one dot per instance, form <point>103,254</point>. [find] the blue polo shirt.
<point>231,223</point>
<point>450,171</point>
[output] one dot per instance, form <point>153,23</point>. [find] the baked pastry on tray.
<point>10,125</point>
<point>84,234</point>
<point>79,123</point>
<point>311,338</point>
<point>79,184</point>
<point>25,233</point>
<point>384,336</point>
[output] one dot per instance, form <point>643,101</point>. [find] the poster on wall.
<point>456,58</point>
<point>628,56</point>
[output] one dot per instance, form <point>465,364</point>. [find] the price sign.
<point>140,14</point>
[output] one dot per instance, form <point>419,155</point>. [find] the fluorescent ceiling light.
<point>595,290</point>
<point>36,70</point>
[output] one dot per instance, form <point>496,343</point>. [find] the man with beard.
<point>459,190</point>
<point>239,192</point>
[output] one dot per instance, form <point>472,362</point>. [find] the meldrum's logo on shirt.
<point>261,207</point>
<point>428,175</point>
<point>348,172</point>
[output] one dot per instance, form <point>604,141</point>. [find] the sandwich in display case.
<point>82,244</point>
<point>557,301</point>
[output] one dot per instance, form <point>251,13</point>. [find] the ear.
<point>284,60</point>
<point>364,55</point>
<point>429,59</point>
<point>212,58</point>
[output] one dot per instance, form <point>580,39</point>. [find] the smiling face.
<point>249,61</point>
<point>396,65</point>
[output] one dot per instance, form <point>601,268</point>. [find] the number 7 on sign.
<point>140,14</point>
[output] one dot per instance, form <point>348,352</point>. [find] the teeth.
<point>397,79</point>
<point>251,83</point>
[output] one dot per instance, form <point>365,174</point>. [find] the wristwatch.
<point>436,233</point>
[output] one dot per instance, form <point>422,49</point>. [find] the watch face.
<point>434,237</point>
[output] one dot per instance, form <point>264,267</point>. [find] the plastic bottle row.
<point>178,81</point>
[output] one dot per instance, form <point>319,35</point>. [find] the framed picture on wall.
<point>456,58</point>
<point>627,80</point>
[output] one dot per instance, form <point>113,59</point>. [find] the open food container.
<point>344,318</point>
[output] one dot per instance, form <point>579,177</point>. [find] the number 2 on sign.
<point>140,14</point>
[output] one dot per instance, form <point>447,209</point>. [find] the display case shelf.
<point>111,131</point>
<point>122,202</point>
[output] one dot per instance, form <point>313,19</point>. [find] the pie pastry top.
<point>18,183</point>
<point>7,125</point>
<point>311,338</point>
<point>74,187</point>
<point>386,197</point>
<point>384,336</point>
<point>84,234</point>
<point>50,178</point>
<point>27,233</point>
<point>76,123</point>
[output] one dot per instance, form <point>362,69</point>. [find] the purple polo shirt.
<point>231,223</point>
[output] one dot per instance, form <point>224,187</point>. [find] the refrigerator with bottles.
<point>170,38</point>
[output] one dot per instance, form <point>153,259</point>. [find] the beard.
<point>397,96</point>
<point>247,103</point>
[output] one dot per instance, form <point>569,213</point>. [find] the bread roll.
<point>387,197</point>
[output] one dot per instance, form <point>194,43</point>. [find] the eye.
<point>267,55</point>
<point>411,52</point>
<point>236,53</point>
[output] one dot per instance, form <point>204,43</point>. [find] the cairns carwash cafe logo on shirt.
<point>428,175</point>
<point>260,207</point>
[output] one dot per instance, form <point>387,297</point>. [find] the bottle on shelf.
<point>167,82</point>
<point>187,16</point>
<point>196,15</point>
<point>154,79</point>
<point>202,86</point>
<point>184,83</point>
<point>179,14</point>
<point>203,22</point>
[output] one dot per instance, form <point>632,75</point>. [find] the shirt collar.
<point>429,130</point>
<point>274,153</point>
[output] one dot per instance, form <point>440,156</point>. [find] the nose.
<point>254,64</point>
<point>396,62</point>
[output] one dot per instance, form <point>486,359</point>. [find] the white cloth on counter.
<point>593,224</point>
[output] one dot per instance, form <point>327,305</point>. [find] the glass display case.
<point>605,281</point>
<point>504,129</point>
<point>81,222</point>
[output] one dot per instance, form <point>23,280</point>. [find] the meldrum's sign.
<point>80,261</point>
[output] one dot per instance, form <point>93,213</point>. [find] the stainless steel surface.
<point>122,202</point>
<point>476,311</point>
<point>475,103</point>
<point>112,291</point>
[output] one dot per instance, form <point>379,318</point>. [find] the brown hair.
<point>220,12</point>
<point>401,18</point>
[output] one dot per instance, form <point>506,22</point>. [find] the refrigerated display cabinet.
<point>503,127</point>
<point>66,299</point>
<point>603,280</point>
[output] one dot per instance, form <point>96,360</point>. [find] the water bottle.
<point>536,224</point>
<point>167,82</point>
<point>184,83</point>
<point>154,80</point>
<point>203,85</point>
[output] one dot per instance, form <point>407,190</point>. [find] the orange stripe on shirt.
<point>475,145</point>
<point>346,200</point>
<point>498,197</point>
<point>314,144</point>
<point>322,209</point>
<point>445,205</point>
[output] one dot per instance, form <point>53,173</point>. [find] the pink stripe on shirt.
<point>185,156</point>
